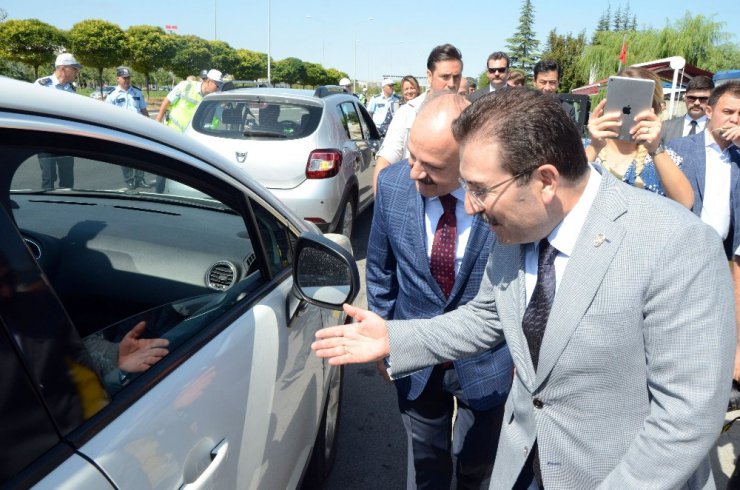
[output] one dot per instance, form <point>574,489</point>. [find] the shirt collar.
<point>701,121</point>
<point>565,235</point>
<point>709,142</point>
<point>459,194</point>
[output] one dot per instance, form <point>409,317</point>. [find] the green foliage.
<point>192,55</point>
<point>316,75</point>
<point>98,44</point>
<point>523,45</point>
<point>30,41</point>
<point>223,57</point>
<point>483,80</point>
<point>150,48</point>
<point>698,39</point>
<point>252,65</point>
<point>16,70</point>
<point>567,50</point>
<point>290,71</point>
<point>333,76</point>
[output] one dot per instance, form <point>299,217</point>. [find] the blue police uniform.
<point>382,109</point>
<point>131,99</point>
<point>50,163</point>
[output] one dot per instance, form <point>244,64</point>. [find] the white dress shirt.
<point>716,209</point>
<point>433,211</point>
<point>701,123</point>
<point>395,146</point>
<point>563,237</point>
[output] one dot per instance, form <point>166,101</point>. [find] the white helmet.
<point>344,82</point>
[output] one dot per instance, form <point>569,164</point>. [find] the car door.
<point>373,141</point>
<point>222,408</point>
<point>364,150</point>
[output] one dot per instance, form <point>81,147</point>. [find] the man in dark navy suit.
<point>427,256</point>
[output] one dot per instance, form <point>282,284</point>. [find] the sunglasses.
<point>691,99</point>
<point>498,70</point>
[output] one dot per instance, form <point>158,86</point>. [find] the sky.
<point>367,39</point>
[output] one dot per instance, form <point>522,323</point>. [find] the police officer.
<point>383,106</point>
<point>66,69</point>
<point>130,98</point>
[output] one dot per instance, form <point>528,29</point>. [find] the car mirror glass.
<point>325,273</point>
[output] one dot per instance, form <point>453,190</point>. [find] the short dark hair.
<point>498,55</point>
<point>472,82</point>
<point>700,83</point>
<point>443,52</point>
<point>544,66</point>
<point>530,128</point>
<point>732,87</point>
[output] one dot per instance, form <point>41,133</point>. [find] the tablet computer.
<point>628,97</point>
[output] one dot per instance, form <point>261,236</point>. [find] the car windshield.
<point>253,118</point>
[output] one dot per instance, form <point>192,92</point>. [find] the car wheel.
<point>347,220</point>
<point>322,457</point>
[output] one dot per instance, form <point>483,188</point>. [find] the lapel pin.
<point>599,239</point>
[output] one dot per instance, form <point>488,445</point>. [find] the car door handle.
<point>219,456</point>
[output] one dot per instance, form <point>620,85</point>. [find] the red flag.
<point>623,53</point>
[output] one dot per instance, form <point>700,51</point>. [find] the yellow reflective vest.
<point>182,110</point>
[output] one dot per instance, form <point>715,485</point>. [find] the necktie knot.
<point>693,124</point>
<point>448,203</point>
<point>547,253</point>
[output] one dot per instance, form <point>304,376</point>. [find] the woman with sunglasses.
<point>642,162</point>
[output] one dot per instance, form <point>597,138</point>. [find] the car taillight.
<point>323,164</point>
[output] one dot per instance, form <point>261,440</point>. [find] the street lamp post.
<point>354,85</point>
<point>269,73</point>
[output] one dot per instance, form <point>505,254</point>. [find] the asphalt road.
<point>371,446</point>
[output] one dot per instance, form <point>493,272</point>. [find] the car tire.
<point>324,448</point>
<point>347,219</point>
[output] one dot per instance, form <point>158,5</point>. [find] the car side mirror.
<point>324,273</point>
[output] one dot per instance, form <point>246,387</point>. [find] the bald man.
<point>427,256</point>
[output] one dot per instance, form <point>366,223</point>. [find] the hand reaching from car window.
<point>136,355</point>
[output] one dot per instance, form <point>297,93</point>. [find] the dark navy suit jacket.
<point>400,284</point>
<point>691,149</point>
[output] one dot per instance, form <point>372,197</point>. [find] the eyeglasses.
<point>498,70</point>
<point>692,99</point>
<point>479,195</point>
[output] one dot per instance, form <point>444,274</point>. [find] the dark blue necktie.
<point>538,309</point>
<point>693,128</point>
<point>535,320</point>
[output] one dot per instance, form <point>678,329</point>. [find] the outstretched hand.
<point>136,355</point>
<point>366,340</point>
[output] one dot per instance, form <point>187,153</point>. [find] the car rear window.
<point>257,119</point>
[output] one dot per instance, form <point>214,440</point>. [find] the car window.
<point>251,118</point>
<point>351,121</point>
<point>279,240</point>
<point>368,126</point>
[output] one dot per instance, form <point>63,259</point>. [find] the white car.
<point>93,277</point>
<point>314,149</point>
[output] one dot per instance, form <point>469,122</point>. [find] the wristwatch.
<point>660,149</point>
<point>123,377</point>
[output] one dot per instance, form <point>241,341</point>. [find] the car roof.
<point>31,98</point>
<point>290,93</point>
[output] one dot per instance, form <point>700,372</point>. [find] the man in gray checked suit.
<point>616,305</point>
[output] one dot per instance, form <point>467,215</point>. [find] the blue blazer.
<point>692,151</point>
<point>400,285</point>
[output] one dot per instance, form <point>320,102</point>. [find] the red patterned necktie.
<point>442,262</point>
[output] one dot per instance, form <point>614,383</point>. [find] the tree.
<point>223,57</point>
<point>252,65</point>
<point>567,50</point>
<point>150,48</point>
<point>333,76</point>
<point>315,74</point>
<point>618,20</point>
<point>522,45</point>
<point>290,71</point>
<point>191,56</point>
<point>31,42</point>
<point>98,44</point>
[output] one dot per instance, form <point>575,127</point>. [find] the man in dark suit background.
<point>547,75</point>
<point>497,69</point>
<point>427,256</point>
<point>695,119</point>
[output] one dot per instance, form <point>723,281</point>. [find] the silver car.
<point>314,149</point>
<point>156,340</point>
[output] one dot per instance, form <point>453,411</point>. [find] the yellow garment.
<point>182,110</point>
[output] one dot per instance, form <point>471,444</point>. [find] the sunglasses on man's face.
<point>691,99</point>
<point>498,70</point>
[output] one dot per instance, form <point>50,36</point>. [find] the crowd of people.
<point>553,313</point>
<point>558,292</point>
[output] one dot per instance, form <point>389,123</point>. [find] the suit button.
<point>537,403</point>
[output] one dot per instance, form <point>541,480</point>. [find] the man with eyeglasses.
<point>695,120</point>
<point>497,70</point>
<point>425,256</point>
<point>616,306</point>
<point>66,69</point>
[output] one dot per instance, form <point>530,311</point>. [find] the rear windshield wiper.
<point>265,134</point>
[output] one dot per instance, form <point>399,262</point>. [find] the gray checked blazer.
<point>636,361</point>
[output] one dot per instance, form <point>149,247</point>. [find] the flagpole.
<point>624,40</point>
